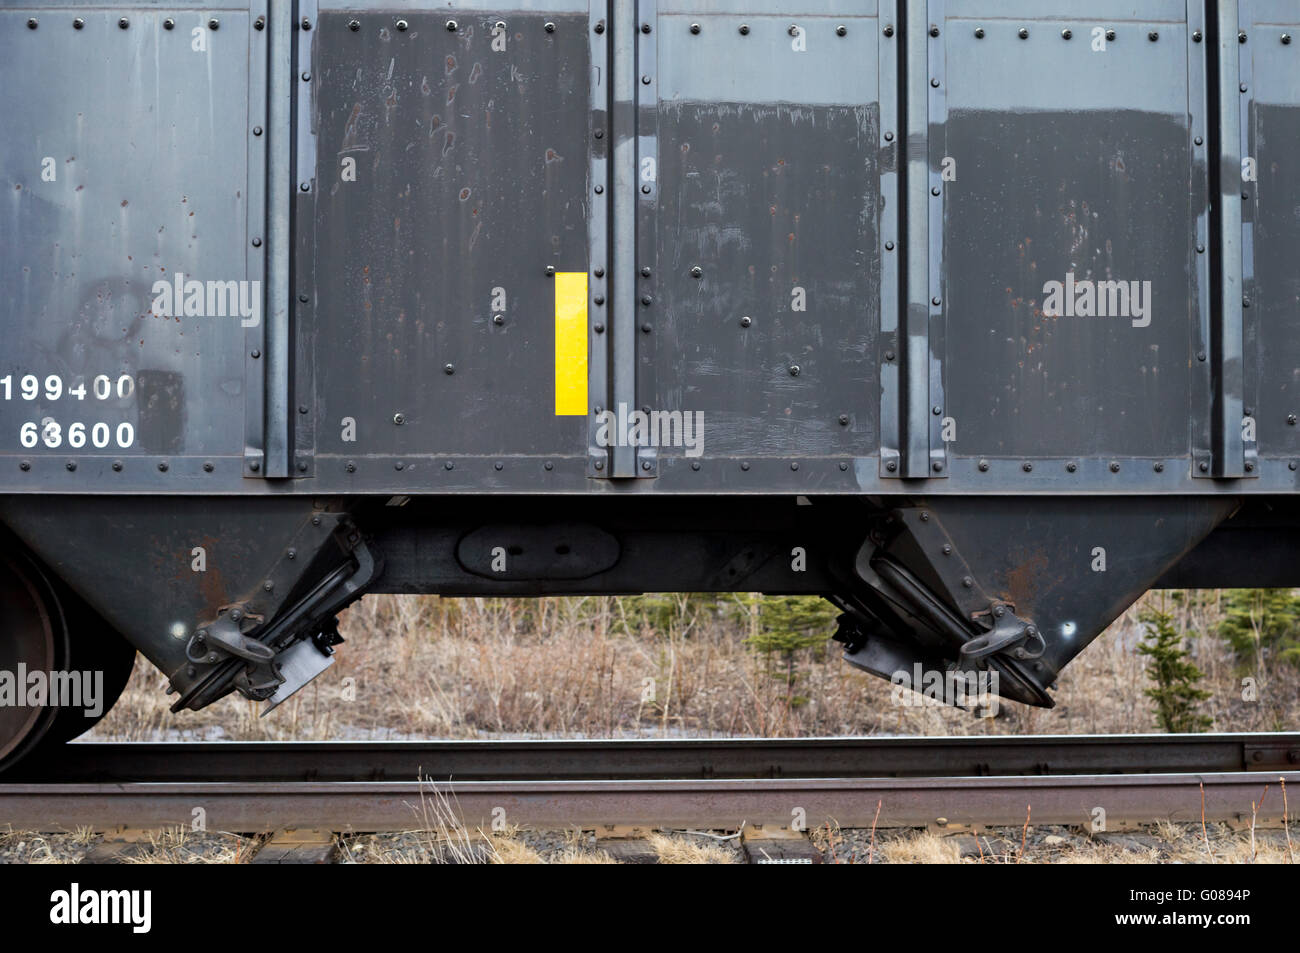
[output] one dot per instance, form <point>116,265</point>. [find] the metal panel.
<point>1272,114</point>
<point>1071,165</point>
<point>764,301</point>
<point>451,175</point>
<point>126,162</point>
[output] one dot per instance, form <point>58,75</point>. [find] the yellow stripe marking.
<point>570,343</point>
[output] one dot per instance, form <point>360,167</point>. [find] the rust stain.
<point>1022,581</point>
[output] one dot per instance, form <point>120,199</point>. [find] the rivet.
<point>1071,467</point>
<point>25,465</point>
<point>1027,467</point>
<point>72,465</point>
<point>1200,249</point>
<point>401,26</point>
<point>550,271</point>
<point>257,243</point>
<point>695,464</point>
<point>645,27</point>
<point>117,466</point>
<point>1241,37</point>
<point>645,271</point>
<point>645,465</point>
<point>1291,465</point>
<point>697,272</point>
<point>399,419</point>
<point>645,329</point>
<point>1110,34</point>
<point>889,246</point>
<point>841,30</point>
<point>1286,39</point>
<point>599,272</point>
<point>843,465</point>
<point>354,25</point>
<point>350,467</point>
<point>937,466</point>
<point>498,319</point>
<point>889,355</point>
<point>934,83</point>
<point>1245,302</point>
<point>794,370</point>
<point>647,300</point>
<point>1242,87</point>
<point>645,80</point>
<point>695,28</point>
<point>744,29</point>
<point>305,187</point>
<point>1153,36</point>
<point>550,27</point>
<point>449,368</point>
<point>449,465</point>
<point>1067,33</point>
<point>1024,34</point>
<point>254,466</point>
<point>255,353</point>
<point>599,328</point>
<point>1204,467</point>
<point>498,465</point>
<point>947,549</point>
<point>1158,467</point>
<point>599,300</point>
<point>889,29</point>
<point>306,77</point>
<point>1198,140</point>
<point>1250,467</point>
<point>889,137</point>
<point>645,190</point>
<point>599,133</point>
<point>207,466</point>
<point>844,420</point>
<point>794,466</point>
<point>1114,466</point>
<point>600,27</point>
<point>214,24</point>
<point>967,582</point>
<point>979,33</point>
<point>123,23</point>
<point>549,465</point>
<point>268,585</point>
<point>306,23</point>
<point>257,130</point>
<point>891,466</point>
<point>936,410</point>
<point>600,190</point>
<point>744,466</point>
<point>162,466</point>
<point>1290,418</point>
<point>1200,355</point>
<point>936,301</point>
<point>794,29</point>
<point>599,464</point>
<point>934,30</point>
<point>78,23</point>
<point>451,26</point>
<point>32,23</point>
<point>1196,36</point>
<point>745,321</point>
<point>399,466</point>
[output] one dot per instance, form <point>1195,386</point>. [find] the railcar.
<point>972,316</point>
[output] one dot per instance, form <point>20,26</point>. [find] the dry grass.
<point>420,666</point>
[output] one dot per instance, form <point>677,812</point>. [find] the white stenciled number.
<point>53,387</point>
<point>103,387</point>
<point>125,435</point>
<point>99,435</point>
<point>27,435</point>
<point>77,435</point>
<point>125,386</point>
<point>51,433</point>
<point>31,386</point>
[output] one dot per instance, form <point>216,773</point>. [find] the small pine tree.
<point>787,625</point>
<point>1174,675</point>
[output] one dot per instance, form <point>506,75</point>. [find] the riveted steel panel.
<point>126,165</point>
<point>764,305</point>
<point>1273,144</point>
<point>451,172</point>
<point>1070,164</point>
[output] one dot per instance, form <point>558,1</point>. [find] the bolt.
<point>937,466</point>
<point>268,586</point>
<point>170,24</point>
<point>600,190</point>
<point>744,29</point>
<point>1110,34</point>
<point>449,368</point>
<point>449,465</point>
<point>401,26</point>
<point>117,466</point>
<point>889,355</point>
<point>451,26</point>
<point>745,322</point>
<point>1114,466</point>
<point>891,466</point>
<point>984,466</point>
<point>794,370</point>
<point>841,30</point>
<point>695,28</point>
<point>599,272</point>
<point>1204,467</point>
<point>399,419</point>
<point>647,300</point>
<point>350,467</point>
<point>979,33</point>
<point>550,271</point>
<point>1198,140</point>
<point>889,29</point>
<point>600,27</point>
<point>1291,419</point>
<point>214,24</point>
<point>1027,467</point>
<point>257,243</point>
<point>744,466</point>
<point>599,134</point>
<point>162,466</point>
<point>1066,34</point>
<point>254,466</point>
<point>123,23</point>
<point>550,27</point>
<point>645,190</point>
<point>549,465</point>
<point>1071,467</point>
<point>794,29</point>
<point>399,466</point>
<point>645,272</point>
<point>354,25</point>
<point>1024,34</point>
<point>645,329</point>
<point>645,80</point>
<point>934,30</point>
<point>1158,467</point>
<point>1286,39</point>
<point>936,410</point>
<point>305,187</point>
<point>1153,36</point>
<point>599,464</point>
<point>967,582</point>
<point>72,465</point>
<point>844,420</point>
<point>697,272</point>
<point>25,465</point>
<point>889,137</point>
<point>1196,36</point>
<point>889,246</point>
<point>645,27</point>
<point>1241,37</point>
<point>78,23</point>
<point>255,353</point>
<point>306,23</point>
<point>599,328</point>
<point>32,23</point>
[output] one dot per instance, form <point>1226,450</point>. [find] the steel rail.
<point>716,804</point>
<point>650,759</point>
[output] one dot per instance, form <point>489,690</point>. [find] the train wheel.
<point>33,638</point>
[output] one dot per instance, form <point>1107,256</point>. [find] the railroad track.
<point>344,786</point>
